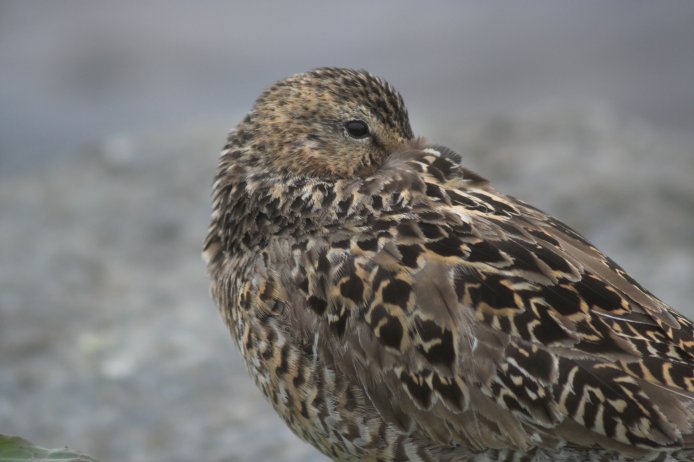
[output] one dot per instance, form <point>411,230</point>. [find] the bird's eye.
<point>357,129</point>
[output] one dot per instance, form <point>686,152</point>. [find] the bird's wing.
<point>470,316</point>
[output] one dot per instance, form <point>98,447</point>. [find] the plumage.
<point>393,305</point>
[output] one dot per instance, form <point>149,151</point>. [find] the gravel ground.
<point>114,345</point>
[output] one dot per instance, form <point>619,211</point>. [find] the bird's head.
<point>328,123</point>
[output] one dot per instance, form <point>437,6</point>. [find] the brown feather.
<point>393,306</point>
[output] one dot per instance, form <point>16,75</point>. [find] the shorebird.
<point>392,305</point>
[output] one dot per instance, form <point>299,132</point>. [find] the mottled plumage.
<point>393,306</point>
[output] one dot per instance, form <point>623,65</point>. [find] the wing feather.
<point>470,316</point>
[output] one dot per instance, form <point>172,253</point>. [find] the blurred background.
<point>111,119</point>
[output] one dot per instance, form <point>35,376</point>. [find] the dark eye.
<point>357,129</point>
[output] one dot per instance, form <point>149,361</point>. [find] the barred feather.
<point>392,305</point>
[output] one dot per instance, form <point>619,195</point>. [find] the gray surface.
<point>111,117</point>
<point>73,72</point>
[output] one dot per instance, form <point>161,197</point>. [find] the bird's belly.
<point>318,404</point>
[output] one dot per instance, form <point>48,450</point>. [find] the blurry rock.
<point>118,150</point>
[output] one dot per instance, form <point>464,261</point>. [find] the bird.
<point>392,305</point>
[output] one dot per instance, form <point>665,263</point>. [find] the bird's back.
<point>422,304</point>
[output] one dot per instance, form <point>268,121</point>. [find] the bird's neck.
<point>253,209</point>
<point>254,203</point>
